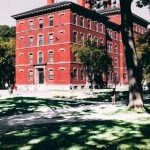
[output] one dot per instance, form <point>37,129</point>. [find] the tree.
<point>7,55</point>
<point>133,68</point>
<point>134,72</point>
<point>143,52</point>
<point>95,61</point>
<point>7,32</point>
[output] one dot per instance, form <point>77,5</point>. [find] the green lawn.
<point>89,135</point>
<point>24,105</point>
<point>77,135</point>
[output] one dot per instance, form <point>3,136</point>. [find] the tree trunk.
<point>134,74</point>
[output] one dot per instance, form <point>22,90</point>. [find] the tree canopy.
<point>95,60</point>
<point>7,55</point>
<point>143,52</point>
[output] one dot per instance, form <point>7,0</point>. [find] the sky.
<point>12,7</point>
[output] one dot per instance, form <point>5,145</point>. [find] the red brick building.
<point>44,35</point>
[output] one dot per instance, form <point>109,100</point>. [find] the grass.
<point>72,135</point>
<point>93,135</point>
<point>24,105</point>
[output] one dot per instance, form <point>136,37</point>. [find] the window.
<point>125,76</point>
<point>51,21</point>
<point>40,58</point>
<point>82,38</point>
<point>51,74</point>
<point>75,19</point>
<point>96,40</point>
<point>109,31</point>
<point>89,37</point>
<point>89,24</point>
<point>20,41</point>
<point>110,48</point>
<point>81,21</point>
<point>116,62</point>
<point>51,55</point>
<point>75,71</point>
<point>30,75</point>
<point>101,41</point>
<point>116,36</point>
<point>40,40</point>
<point>51,36</point>
<point>101,28</point>
<point>31,58</point>
<point>75,37</point>
<point>30,41</point>
<point>61,18</point>
<point>116,77</point>
<point>95,26</point>
<point>82,74</point>
<point>111,76</point>
<point>30,25</point>
<point>74,56</point>
<point>40,23</point>
<point>115,49</point>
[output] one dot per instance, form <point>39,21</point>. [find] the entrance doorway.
<point>41,75</point>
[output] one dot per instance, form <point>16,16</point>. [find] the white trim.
<point>40,34</point>
<point>38,56</point>
<point>21,54</point>
<point>21,37</point>
<point>49,73</point>
<point>61,13</point>
<point>21,70</point>
<point>62,68</point>
<point>62,31</point>
<point>61,49</point>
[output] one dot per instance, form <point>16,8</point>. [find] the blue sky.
<point>11,7</point>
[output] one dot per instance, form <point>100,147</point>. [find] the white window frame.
<point>51,74</point>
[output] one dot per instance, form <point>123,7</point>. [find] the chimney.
<point>87,4</point>
<point>50,2</point>
<point>81,2</point>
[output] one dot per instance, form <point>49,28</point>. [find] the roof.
<point>60,6</point>
<point>114,11</point>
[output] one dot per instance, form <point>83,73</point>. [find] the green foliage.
<point>7,55</point>
<point>95,60</point>
<point>143,52</point>
<point>6,32</point>
<point>142,3</point>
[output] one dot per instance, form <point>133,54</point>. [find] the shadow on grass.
<point>23,105</point>
<point>87,135</point>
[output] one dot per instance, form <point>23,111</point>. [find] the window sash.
<point>31,25</point>
<point>30,58</point>
<point>51,74</point>
<point>51,36</point>
<point>40,40</point>
<point>40,23</point>
<point>51,56</point>
<point>31,41</point>
<point>30,75</point>
<point>51,21</point>
<point>40,59</point>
